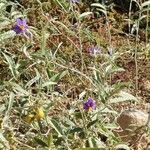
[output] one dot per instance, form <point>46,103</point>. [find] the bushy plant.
<point>56,76</point>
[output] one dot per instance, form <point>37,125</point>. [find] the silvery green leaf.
<point>98,5</point>
<point>7,35</point>
<point>11,64</point>
<point>4,142</point>
<point>4,23</point>
<point>81,95</point>
<point>85,14</point>
<point>123,96</point>
<point>147,3</point>
<point>122,146</point>
<point>48,83</point>
<point>2,5</point>
<point>15,13</point>
<point>54,124</point>
<point>33,80</point>
<point>20,91</point>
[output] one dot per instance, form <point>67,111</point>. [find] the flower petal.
<point>19,22</point>
<point>17,29</point>
<point>24,23</point>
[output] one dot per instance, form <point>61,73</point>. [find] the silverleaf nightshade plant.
<point>89,105</point>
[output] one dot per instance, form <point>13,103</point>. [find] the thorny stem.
<point>109,33</point>
<point>136,47</point>
<point>129,24</point>
<point>135,57</point>
<point>147,25</point>
<point>75,71</point>
<point>110,39</point>
<point>80,39</point>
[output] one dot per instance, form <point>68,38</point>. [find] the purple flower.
<point>20,26</point>
<point>94,50</point>
<point>90,104</point>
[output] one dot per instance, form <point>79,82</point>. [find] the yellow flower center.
<point>90,109</point>
<point>22,27</point>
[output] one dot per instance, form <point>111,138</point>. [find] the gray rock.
<point>131,119</point>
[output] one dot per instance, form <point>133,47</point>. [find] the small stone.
<point>131,119</point>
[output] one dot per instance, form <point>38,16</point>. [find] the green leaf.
<point>85,14</point>
<point>24,50</point>
<point>11,64</point>
<point>40,142</point>
<point>122,146</point>
<point>101,10</point>
<point>4,22</point>
<point>10,104</point>
<point>62,6</point>
<point>11,100</point>
<point>33,80</point>
<point>91,142</point>
<point>98,5</point>
<point>50,140</point>
<point>49,83</point>
<point>2,6</point>
<point>19,90</point>
<point>145,4</point>
<point>16,14</point>
<point>91,123</point>
<point>107,110</point>
<point>94,143</point>
<point>74,130</point>
<point>56,126</point>
<point>2,108</point>
<point>81,95</point>
<point>4,142</point>
<point>110,69</point>
<point>58,76</point>
<point>123,96</point>
<point>7,35</point>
